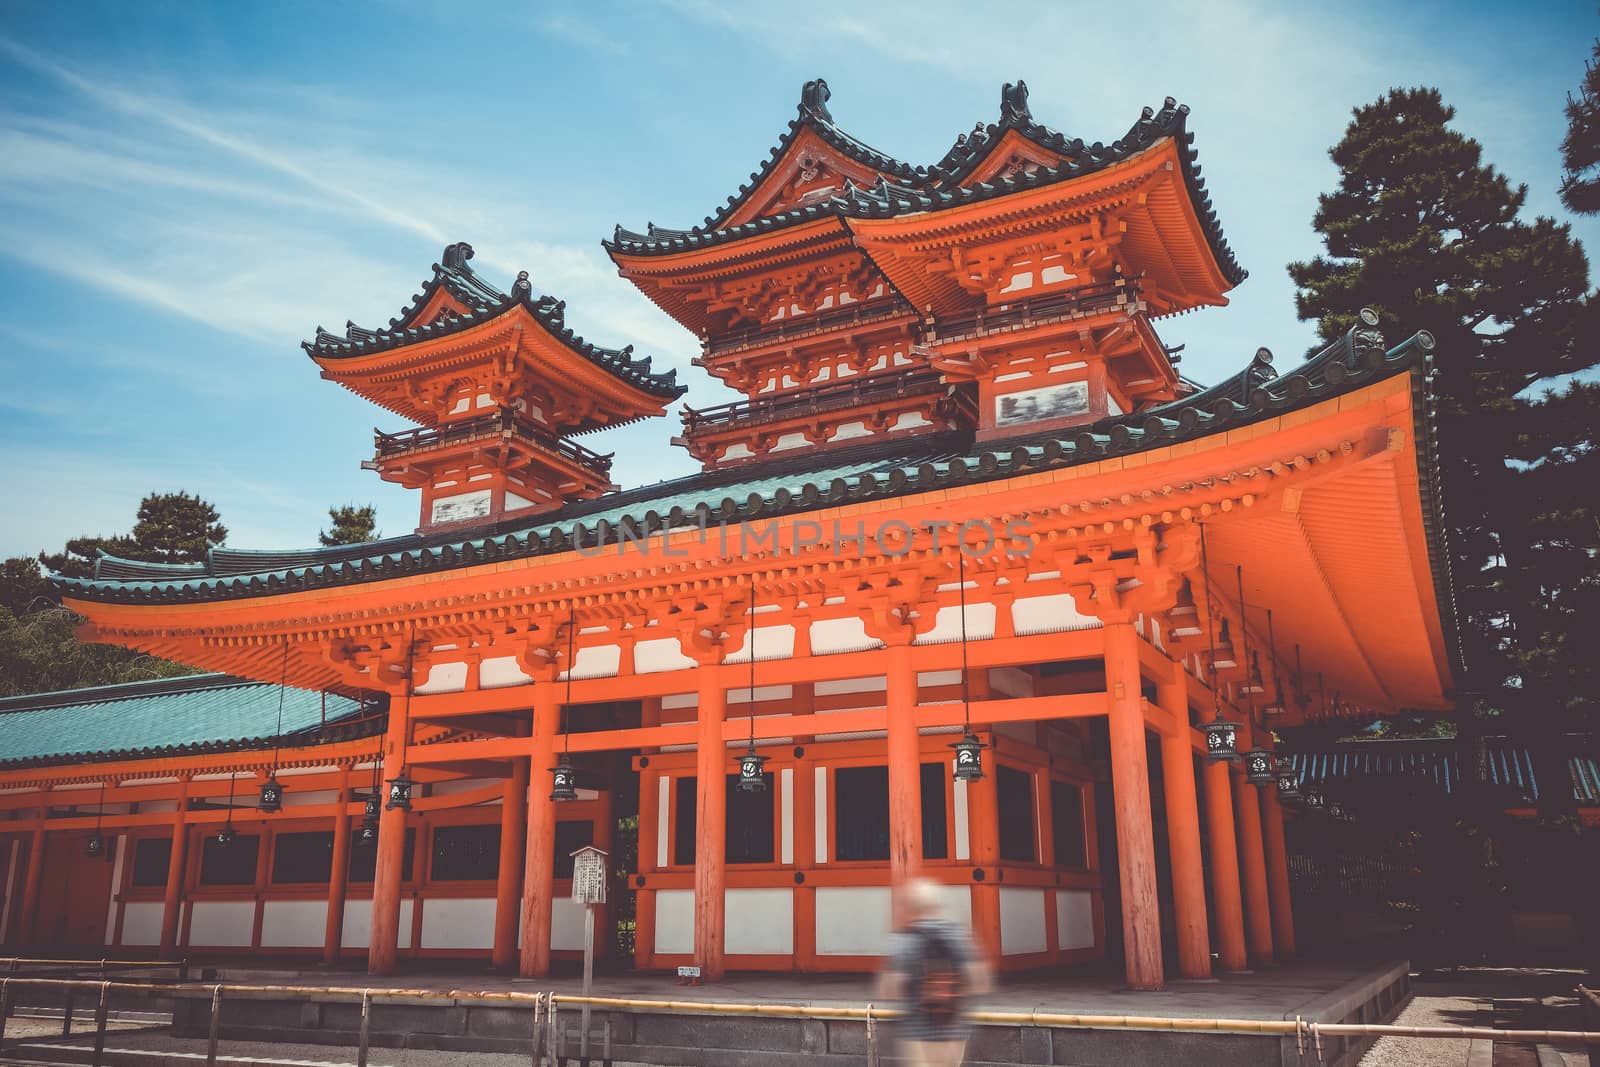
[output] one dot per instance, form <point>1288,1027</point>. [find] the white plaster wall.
<point>852,920</point>
<point>675,920</point>
<point>501,671</point>
<point>841,686</point>
<point>839,635</point>
<point>596,661</point>
<point>947,626</point>
<point>772,642</point>
<point>955,905</point>
<point>358,924</point>
<point>458,923</point>
<point>821,822</point>
<point>566,925</point>
<point>141,922</point>
<point>786,815</point>
<point>1049,614</point>
<point>963,825</point>
<point>759,922</point>
<point>660,654</point>
<point>293,923</point>
<point>1074,918</point>
<point>219,923</point>
<point>445,678</point>
<point>1022,926</point>
<point>121,847</point>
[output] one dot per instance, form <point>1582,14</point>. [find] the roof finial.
<point>522,288</point>
<point>1014,101</point>
<point>456,255</point>
<point>814,99</point>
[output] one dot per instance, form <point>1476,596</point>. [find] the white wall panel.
<point>1022,927</point>
<point>141,922</point>
<point>121,846</point>
<point>358,924</point>
<point>498,672</point>
<point>759,922</point>
<point>458,923</point>
<point>293,923</point>
<point>229,923</point>
<point>660,654</point>
<point>675,920</point>
<point>1049,614</point>
<point>445,678</point>
<point>1074,918</point>
<point>852,920</point>
<point>566,926</point>
<point>839,635</point>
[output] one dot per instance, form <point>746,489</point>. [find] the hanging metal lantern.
<point>1336,810</point>
<point>1222,739</point>
<point>367,834</point>
<point>271,796</point>
<point>400,792</point>
<point>96,845</point>
<point>1313,800</point>
<point>566,780</point>
<point>1258,766</point>
<point>751,778</point>
<point>1288,783</point>
<point>373,808</point>
<point>969,758</point>
<point>225,836</point>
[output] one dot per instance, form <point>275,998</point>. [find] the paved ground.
<point>1507,999</point>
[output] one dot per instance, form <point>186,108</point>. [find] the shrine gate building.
<point>967,498</point>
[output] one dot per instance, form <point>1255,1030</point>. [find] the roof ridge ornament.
<point>522,288</point>
<point>1014,102</point>
<point>456,255</point>
<point>814,96</point>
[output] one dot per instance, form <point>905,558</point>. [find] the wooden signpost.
<point>588,889</point>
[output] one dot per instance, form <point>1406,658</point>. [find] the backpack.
<point>940,983</point>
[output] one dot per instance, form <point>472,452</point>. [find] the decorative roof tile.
<point>168,716</point>
<point>794,484</point>
<point>484,302</point>
<point>938,187</point>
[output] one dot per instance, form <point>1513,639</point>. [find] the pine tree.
<point>351,526</point>
<point>1580,150</point>
<point>1421,229</point>
<point>176,528</point>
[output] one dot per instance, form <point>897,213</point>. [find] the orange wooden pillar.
<point>385,940</point>
<point>1183,832</point>
<point>1130,785</point>
<point>508,883</point>
<point>905,761</point>
<point>339,882</point>
<point>539,857</point>
<point>1227,908</point>
<point>711,804</point>
<point>1278,874</point>
<point>1253,870</point>
<point>983,837</point>
<point>177,863</point>
<point>26,934</point>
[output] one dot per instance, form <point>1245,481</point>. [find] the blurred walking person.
<point>932,974</point>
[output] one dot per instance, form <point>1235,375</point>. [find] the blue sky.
<point>186,191</point>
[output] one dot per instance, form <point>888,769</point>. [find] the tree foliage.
<point>39,649</point>
<point>1424,231</point>
<point>351,526</point>
<point>1580,150</point>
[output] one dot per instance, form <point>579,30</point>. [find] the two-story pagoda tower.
<point>1007,289</point>
<point>498,385</point>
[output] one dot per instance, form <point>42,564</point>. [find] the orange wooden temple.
<point>967,494</point>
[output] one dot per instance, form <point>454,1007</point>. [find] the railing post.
<point>66,1014</point>
<point>366,1027</point>
<point>216,1026</point>
<point>100,1012</point>
<point>5,1008</point>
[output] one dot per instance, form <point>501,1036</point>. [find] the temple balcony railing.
<point>851,393</point>
<point>868,313</point>
<point>1032,311</point>
<point>503,425</point>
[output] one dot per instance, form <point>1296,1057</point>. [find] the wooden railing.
<point>1074,302</point>
<point>862,314</point>
<point>836,396</point>
<point>503,423</point>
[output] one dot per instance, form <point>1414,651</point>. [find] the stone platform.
<point>1316,992</point>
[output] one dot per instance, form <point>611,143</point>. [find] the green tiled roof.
<point>169,716</point>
